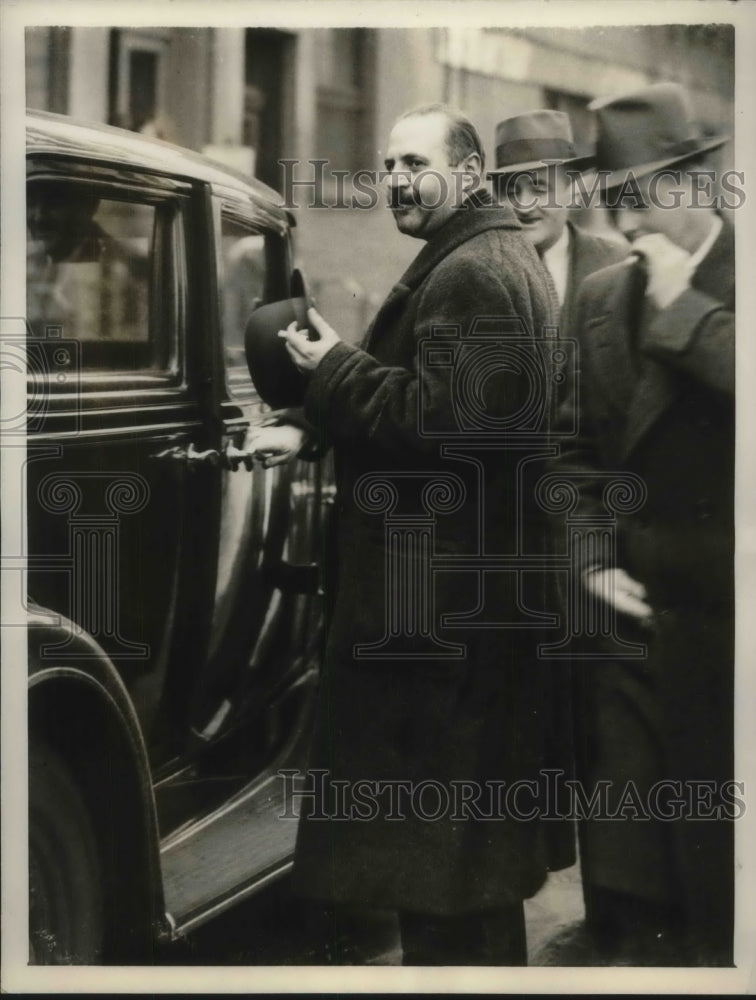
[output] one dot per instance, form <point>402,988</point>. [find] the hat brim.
<point>277,379</point>
<point>618,177</point>
<point>573,163</point>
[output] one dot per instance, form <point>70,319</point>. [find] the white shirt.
<point>557,260</point>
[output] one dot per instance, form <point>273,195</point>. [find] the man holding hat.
<point>656,398</point>
<point>403,705</point>
<point>535,157</point>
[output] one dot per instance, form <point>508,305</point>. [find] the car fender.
<point>86,687</point>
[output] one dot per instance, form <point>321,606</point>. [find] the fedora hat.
<point>646,130</point>
<point>525,141</point>
<point>277,379</point>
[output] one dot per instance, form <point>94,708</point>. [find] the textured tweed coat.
<point>656,395</point>
<point>396,707</point>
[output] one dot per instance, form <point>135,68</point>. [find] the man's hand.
<point>307,354</point>
<point>668,267</point>
<point>275,445</point>
<point>615,587</point>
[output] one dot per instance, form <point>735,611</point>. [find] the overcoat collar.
<point>476,215</point>
<point>645,388</point>
<point>583,260</point>
<point>715,275</point>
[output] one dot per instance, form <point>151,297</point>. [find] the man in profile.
<point>430,703</point>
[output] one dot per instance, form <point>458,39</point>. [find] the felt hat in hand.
<point>277,379</point>
<point>645,131</point>
<point>525,141</point>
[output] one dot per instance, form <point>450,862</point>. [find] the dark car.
<point>175,612</point>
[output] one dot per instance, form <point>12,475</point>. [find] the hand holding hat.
<point>277,348</point>
<point>305,353</point>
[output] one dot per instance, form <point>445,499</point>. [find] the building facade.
<point>255,96</point>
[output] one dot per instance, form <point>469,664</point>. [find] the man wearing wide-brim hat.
<point>656,398</point>
<point>535,163</point>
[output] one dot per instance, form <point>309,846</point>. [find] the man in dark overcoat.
<point>415,707</point>
<point>536,162</point>
<point>655,394</point>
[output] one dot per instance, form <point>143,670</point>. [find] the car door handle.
<point>233,458</point>
<point>190,455</point>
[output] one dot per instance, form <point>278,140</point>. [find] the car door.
<point>116,316</point>
<point>266,611</point>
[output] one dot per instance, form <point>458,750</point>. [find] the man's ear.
<point>471,168</point>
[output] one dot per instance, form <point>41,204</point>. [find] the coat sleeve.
<point>696,335</point>
<point>360,400</point>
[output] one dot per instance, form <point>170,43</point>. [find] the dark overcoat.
<point>588,253</point>
<point>656,398</point>
<point>399,704</point>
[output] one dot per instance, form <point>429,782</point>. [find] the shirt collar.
<point>708,243</point>
<point>556,256</point>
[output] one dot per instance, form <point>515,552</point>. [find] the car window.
<point>96,273</point>
<point>252,273</point>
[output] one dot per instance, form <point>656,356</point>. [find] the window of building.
<point>344,125</point>
<point>138,66</point>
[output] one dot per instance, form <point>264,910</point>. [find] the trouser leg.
<point>629,930</point>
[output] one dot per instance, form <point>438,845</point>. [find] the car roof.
<point>64,136</point>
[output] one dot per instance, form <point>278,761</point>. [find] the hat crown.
<point>542,124</point>
<point>647,126</point>
<point>526,139</point>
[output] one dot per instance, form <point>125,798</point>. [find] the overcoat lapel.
<point>657,386</point>
<point>609,334</point>
<point>655,389</point>
<point>474,216</point>
<point>586,256</point>
<point>382,320</point>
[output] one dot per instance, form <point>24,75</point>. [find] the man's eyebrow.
<point>405,158</point>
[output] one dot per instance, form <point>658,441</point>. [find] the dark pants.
<point>344,935</point>
<point>629,930</point>
<point>493,937</point>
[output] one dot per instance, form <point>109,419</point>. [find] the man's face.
<point>539,198</point>
<point>423,190</point>
<point>664,208</point>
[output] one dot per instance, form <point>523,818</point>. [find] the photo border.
<point>18,977</point>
